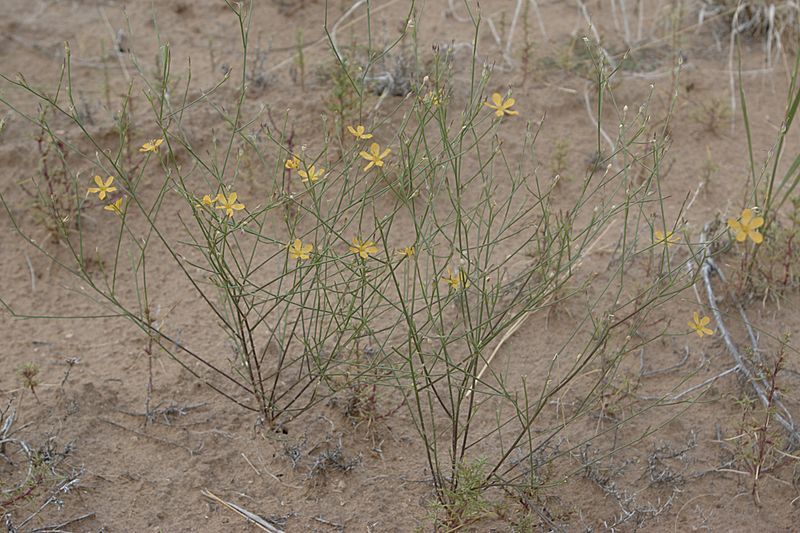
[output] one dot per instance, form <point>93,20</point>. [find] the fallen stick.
<point>691,389</point>
<point>709,381</point>
<point>321,520</point>
<point>61,526</point>
<point>252,517</point>
<point>707,266</point>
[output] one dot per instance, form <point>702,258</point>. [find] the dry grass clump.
<point>776,21</point>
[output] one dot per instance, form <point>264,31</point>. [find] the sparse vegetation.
<point>348,267</point>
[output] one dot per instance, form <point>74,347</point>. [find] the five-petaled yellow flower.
<point>102,188</point>
<point>228,204</point>
<point>455,279</point>
<point>363,249</point>
<point>669,239</point>
<point>359,132</point>
<point>151,146</point>
<point>300,251</point>
<point>406,251</point>
<point>293,163</point>
<point>699,325</point>
<point>374,156</point>
<point>501,107</point>
<point>746,227</point>
<point>312,174</point>
<point>116,207</point>
<point>208,200</point>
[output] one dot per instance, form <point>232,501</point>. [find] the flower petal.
<point>497,98</point>
<point>756,237</point>
<point>747,214</point>
<point>757,222</point>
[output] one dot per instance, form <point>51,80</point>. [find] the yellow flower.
<point>455,279</point>
<point>746,227</point>
<point>102,188</point>
<point>293,163</point>
<point>312,175</point>
<point>406,251</point>
<point>151,146</point>
<point>359,132</point>
<point>363,249</point>
<point>699,325</point>
<point>501,107</point>
<point>207,200</point>
<point>116,207</point>
<point>228,204</point>
<point>434,98</point>
<point>300,251</point>
<point>669,239</point>
<point>374,156</point>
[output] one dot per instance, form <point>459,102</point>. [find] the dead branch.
<point>60,527</point>
<point>252,517</point>
<point>707,267</point>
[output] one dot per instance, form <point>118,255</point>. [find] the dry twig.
<point>707,267</point>
<point>252,517</point>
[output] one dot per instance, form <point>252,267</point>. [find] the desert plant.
<point>28,375</point>
<point>52,189</point>
<point>415,232</point>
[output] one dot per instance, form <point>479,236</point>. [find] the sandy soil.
<point>150,478</point>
